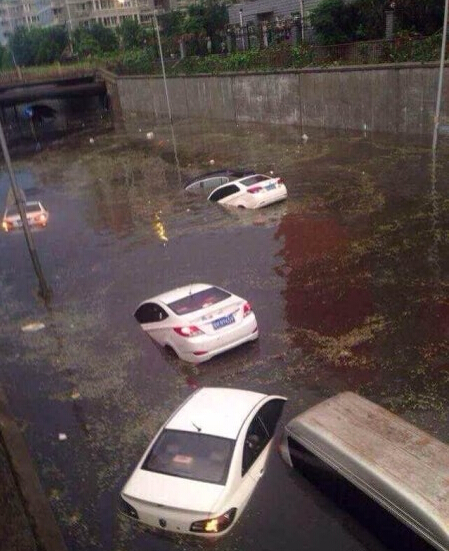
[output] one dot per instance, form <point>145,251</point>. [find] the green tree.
<point>172,23</point>
<point>424,17</point>
<point>37,46</point>
<point>5,58</point>
<point>84,44</point>
<point>23,45</point>
<point>130,33</point>
<point>370,18</point>
<point>94,41</point>
<point>51,43</point>
<point>334,21</point>
<point>207,19</point>
<point>107,39</point>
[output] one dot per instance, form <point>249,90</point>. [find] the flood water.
<point>348,279</point>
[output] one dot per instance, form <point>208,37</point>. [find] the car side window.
<point>270,413</point>
<point>224,192</point>
<point>256,439</point>
<point>150,312</point>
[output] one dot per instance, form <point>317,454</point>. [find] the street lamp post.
<point>43,287</point>
<point>161,56</point>
<point>301,13</point>
<point>440,78</point>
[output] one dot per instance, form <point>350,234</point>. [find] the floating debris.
<point>91,140</point>
<point>62,436</point>
<point>32,327</point>
<point>150,135</point>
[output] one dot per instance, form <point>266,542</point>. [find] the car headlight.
<point>214,525</point>
<point>127,509</point>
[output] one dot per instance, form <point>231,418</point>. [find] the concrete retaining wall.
<point>380,98</point>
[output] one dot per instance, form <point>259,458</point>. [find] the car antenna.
<point>196,426</point>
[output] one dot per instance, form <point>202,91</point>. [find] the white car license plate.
<point>270,186</point>
<point>222,322</point>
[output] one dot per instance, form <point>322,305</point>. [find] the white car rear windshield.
<point>191,455</point>
<point>198,301</point>
<point>257,178</point>
<point>13,211</point>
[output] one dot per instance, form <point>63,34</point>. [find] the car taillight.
<point>188,331</point>
<point>214,525</point>
<point>255,189</point>
<point>42,218</point>
<point>247,309</point>
<point>280,181</point>
<point>6,225</point>
<point>127,509</point>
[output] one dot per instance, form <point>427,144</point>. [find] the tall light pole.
<point>301,14</point>
<point>440,78</point>
<point>161,56</point>
<point>43,287</point>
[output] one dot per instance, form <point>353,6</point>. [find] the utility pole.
<point>440,78</point>
<point>161,56</point>
<point>45,291</point>
<point>301,14</point>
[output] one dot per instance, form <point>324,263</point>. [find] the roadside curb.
<point>43,523</point>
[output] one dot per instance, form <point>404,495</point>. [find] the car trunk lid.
<point>219,316</point>
<point>173,492</point>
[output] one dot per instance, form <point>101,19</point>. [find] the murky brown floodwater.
<point>348,279</point>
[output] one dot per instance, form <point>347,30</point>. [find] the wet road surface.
<point>348,280</point>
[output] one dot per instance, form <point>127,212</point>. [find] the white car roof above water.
<point>217,411</point>
<point>180,292</point>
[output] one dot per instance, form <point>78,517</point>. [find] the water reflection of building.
<point>324,292</point>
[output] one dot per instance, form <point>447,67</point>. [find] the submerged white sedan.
<point>198,321</point>
<point>250,192</point>
<point>36,213</point>
<point>200,470</point>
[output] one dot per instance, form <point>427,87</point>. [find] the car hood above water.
<point>172,491</point>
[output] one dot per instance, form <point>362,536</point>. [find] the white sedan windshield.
<point>198,301</point>
<point>191,455</point>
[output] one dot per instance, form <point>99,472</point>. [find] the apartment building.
<point>75,13</point>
